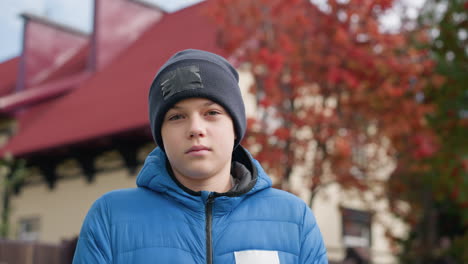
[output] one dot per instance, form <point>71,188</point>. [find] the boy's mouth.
<point>197,149</point>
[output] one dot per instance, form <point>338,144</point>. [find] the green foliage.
<point>12,174</point>
<point>440,233</point>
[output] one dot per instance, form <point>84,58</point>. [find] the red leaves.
<point>341,36</point>
<point>263,54</point>
<point>340,73</point>
<point>392,90</point>
<point>336,75</point>
<point>269,85</point>
<point>250,123</point>
<point>282,133</point>
<point>265,102</point>
<point>465,164</point>
<point>343,147</point>
<point>455,193</point>
<point>275,63</point>
<point>350,80</point>
<point>424,146</point>
<point>286,44</point>
<point>272,60</point>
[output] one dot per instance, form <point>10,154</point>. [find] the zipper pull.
<point>210,199</point>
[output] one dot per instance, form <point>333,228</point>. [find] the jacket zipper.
<point>209,222</point>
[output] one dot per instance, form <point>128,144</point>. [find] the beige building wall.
<point>61,211</point>
<point>326,208</point>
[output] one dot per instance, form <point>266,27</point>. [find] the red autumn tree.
<point>336,96</point>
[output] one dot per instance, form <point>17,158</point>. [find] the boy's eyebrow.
<point>209,103</point>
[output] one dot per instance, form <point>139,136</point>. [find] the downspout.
<point>21,79</point>
<point>93,61</point>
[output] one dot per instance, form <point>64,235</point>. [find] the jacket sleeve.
<point>313,250</point>
<point>94,243</point>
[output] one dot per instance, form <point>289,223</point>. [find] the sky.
<point>74,13</point>
<point>78,15</point>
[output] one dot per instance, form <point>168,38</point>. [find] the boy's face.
<point>198,137</point>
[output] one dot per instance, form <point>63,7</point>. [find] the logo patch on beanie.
<point>181,79</point>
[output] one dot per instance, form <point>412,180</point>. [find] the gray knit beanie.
<point>196,73</point>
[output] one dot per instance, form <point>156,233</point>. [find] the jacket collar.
<point>249,175</point>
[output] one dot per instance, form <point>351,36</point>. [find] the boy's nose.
<point>195,134</point>
<point>196,128</point>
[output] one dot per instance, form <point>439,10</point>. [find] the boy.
<point>201,197</point>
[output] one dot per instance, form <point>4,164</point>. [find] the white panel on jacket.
<point>256,257</point>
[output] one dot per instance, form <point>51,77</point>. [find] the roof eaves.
<point>41,92</point>
<point>149,4</point>
<point>46,21</point>
<point>168,8</point>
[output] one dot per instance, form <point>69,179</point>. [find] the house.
<point>73,106</point>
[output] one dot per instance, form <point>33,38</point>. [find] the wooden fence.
<point>22,252</point>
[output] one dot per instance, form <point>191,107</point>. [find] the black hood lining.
<point>241,166</point>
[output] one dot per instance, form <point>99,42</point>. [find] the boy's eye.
<point>175,117</point>
<point>213,112</point>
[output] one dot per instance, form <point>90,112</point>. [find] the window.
<point>356,235</point>
<point>28,228</point>
<point>356,228</point>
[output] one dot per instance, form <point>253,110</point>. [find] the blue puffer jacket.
<point>161,221</point>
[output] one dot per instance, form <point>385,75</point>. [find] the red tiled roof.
<point>41,93</point>
<point>8,75</point>
<point>115,99</point>
<point>77,63</point>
